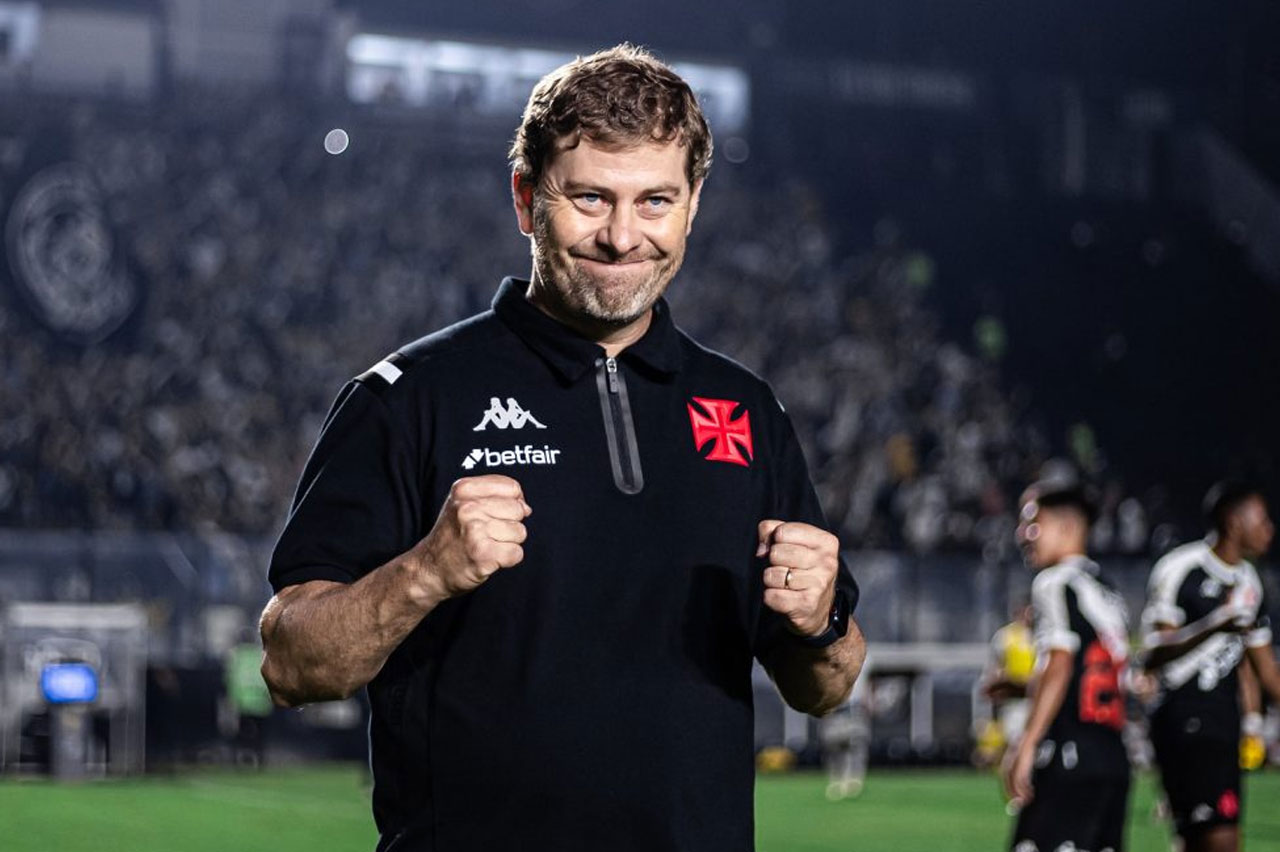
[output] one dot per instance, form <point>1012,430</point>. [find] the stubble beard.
<point>581,294</point>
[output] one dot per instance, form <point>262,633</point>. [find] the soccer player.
<point>1009,668</point>
<point>845,735</point>
<point>1205,614</point>
<point>1069,775</point>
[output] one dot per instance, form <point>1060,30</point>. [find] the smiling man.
<point>557,634</point>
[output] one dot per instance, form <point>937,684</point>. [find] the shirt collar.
<point>572,355</point>
<point>1081,562</point>
<point>1216,568</point>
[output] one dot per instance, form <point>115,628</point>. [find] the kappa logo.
<point>511,417</point>
<point>731,437</point>
<point>514,457</point>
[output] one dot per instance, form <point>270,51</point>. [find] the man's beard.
<point>582,293</point>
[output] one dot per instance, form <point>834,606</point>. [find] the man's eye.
<point>589,198</point>
<point>657,202</point>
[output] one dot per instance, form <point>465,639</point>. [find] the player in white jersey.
<point>845,735</point>
<point>1206,614</point>
<point>1069,774</point>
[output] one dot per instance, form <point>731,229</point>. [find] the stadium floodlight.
<point>499,76</point>
<point>69,683</point>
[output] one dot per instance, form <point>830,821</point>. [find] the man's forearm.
<point>818,680</point>
<point>1003,689</point>
<point>323,640</point>
<point>1166,643</point>
<point>1250,689</point>
<point>1263,661</point>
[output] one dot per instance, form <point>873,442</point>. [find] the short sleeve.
<point>794,499</point>
<point>1162,597</point>
<point>358,503</point>
<point>1049,607</point>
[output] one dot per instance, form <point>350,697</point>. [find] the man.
<point>1069,774</point>
<point>845,736</point>
<point>1010,665</point>
<point>246,704</point>
<point>555,610</point>
<point>1205,613</point>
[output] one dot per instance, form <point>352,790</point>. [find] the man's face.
<point>1028,533</point>
<point>1254,527</point>
<point>1045,535</point>
<point>609,225</point>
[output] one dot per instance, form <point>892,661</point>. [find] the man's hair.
<point>1051,494</point>
<point>622,95</point>
<point>1224,497</point>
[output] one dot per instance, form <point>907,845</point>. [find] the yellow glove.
<point>1253,748</point>
<point>1253,753</point>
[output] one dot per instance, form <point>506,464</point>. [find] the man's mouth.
<point>610,262</point>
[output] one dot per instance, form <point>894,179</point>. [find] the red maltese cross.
<point>731,436</point>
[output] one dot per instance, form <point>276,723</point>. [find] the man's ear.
<point>522,199</point>
<point>694,197</point>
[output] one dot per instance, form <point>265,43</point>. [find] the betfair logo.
<point>514,457</point>
<point>511,417</point>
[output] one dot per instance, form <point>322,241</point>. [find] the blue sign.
<point>69,683</point>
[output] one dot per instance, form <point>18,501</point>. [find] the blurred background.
<point>968,242</point>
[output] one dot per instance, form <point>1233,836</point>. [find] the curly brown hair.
<point>622,95</point>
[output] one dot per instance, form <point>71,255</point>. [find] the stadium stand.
<point>270,271</point>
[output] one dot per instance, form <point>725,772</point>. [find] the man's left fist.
<point>800,581</point>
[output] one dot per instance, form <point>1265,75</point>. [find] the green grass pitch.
<point>327,808</point>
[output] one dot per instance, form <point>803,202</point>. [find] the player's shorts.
<point>1201,776</point>
<point>1084,814</point>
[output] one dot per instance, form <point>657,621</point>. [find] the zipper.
<point>619,428</point>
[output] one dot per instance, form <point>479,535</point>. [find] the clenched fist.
<point>800,581</point>
<point>479,531</point>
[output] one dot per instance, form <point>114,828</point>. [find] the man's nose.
<point>621,234</point>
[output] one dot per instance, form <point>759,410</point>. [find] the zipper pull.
<point>611,366</point>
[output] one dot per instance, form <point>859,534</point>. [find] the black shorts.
<point>1087,813</point>
<point>1201,776</point>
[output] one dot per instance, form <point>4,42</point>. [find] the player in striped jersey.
<point>1205,615</point>
<point>1069,774</point>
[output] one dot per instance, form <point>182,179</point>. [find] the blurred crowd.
<point>913,441</point>
<point>271,271</point>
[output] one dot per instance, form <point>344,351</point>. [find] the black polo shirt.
<point>597,695</point>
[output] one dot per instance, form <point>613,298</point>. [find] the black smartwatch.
<point>837,624</point>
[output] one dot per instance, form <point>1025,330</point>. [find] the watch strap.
<point>837,624</point>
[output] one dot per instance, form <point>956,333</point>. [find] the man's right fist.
<point>479,531</point>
